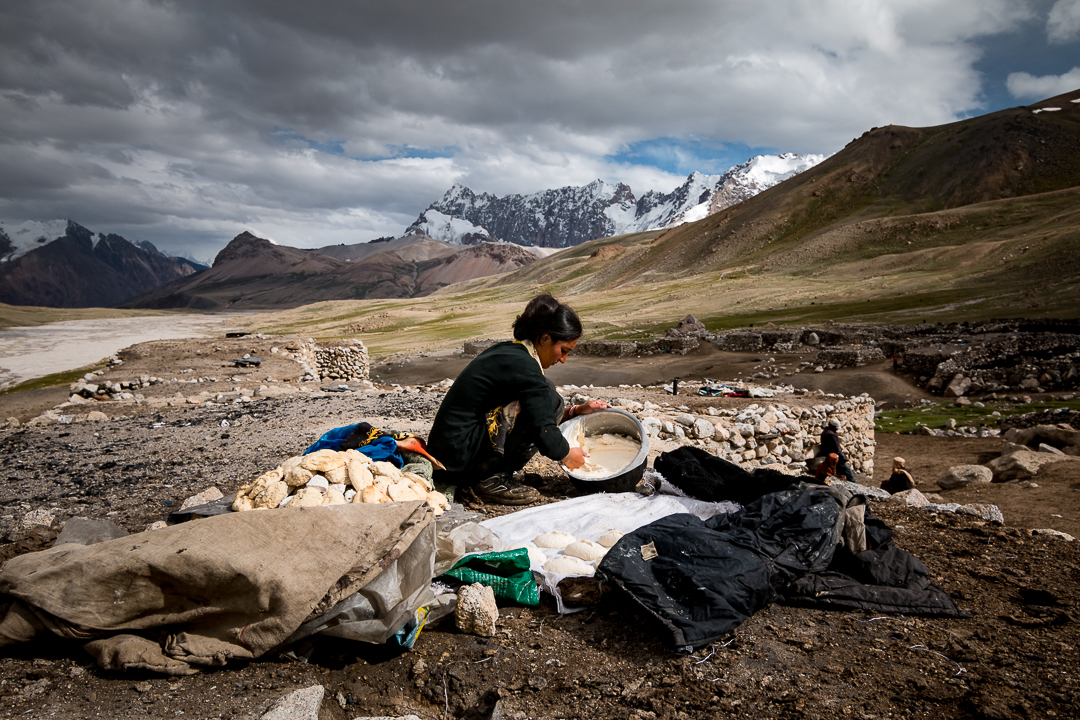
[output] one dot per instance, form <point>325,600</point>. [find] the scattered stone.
<point>912,498</point>
<point>958,386</point>
<point>40,517</point>
<point>653,426</point>
<point>476,611</point>
<point>35,522</point>
<point>1054,533</point>
<point>704,428</point>
<point>206,496</point>
<point>301,704</point>
<point>963,475</point>
<point>986,511</point>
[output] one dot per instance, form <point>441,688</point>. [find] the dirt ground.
<point>1016,657</point>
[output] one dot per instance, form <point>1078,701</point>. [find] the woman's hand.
<point>575,458</point>
<point>585,409</point>
<point>591,407</point>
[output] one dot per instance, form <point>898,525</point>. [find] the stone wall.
<point>849,355</point>
<point>766,433</point>
<point>740,341</point>
<point>1009,363</point>
<point>985,357</point>
<point>675,345</point>
<point>342,360</point>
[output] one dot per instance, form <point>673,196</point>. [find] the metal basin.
<point>616,422</point>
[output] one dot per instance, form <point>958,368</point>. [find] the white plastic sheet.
<point>589,517</point>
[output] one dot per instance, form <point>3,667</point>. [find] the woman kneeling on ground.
<point>502,409</point>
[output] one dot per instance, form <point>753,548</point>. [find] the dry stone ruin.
<point>345,360</point>
<point>951,360</point>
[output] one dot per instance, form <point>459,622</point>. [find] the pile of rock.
<point>329,477</point>
<point>1056,416</point>
<point>342,362</point>
<point>995,357</point>
<point>92,386</point>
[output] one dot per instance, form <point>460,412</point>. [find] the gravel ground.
<point>1016,657</point>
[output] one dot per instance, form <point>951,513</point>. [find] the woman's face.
<point>553,351</point>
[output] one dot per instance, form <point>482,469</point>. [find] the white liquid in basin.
<point>608,454</point>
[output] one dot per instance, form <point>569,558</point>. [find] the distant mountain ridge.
<point>569,216</point>
<point>60,263</point>
<point>252,273</point>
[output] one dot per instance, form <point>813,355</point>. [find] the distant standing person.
<point>900,479</point>
<point>830,443</point>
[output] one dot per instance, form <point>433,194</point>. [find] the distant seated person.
<point>827,471</point>
<point>900,479</point>
<point>830,443</point>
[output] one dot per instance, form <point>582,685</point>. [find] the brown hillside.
<point>252,273</point>
<point>980,210</point>
<point>892,172</point>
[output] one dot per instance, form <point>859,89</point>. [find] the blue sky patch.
<point>682,156</point>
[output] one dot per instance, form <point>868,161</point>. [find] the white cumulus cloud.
<point>1063,23</point>
<point>1025,85</point>
<point>338,121</point>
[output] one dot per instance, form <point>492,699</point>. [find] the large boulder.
<point>962,475</point>
<point>1024,464</point>
<point>1059,436</point>
<point>958,386</point>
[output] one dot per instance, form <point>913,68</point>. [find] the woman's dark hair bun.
<point>544,315</point>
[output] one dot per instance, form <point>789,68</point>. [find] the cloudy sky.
<point>315,123</point>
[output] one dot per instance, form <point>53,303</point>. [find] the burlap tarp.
<point>208,591</point>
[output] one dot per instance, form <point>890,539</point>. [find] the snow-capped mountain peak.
<point>569,216</point>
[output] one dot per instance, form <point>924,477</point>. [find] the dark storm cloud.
<point>318,123</point>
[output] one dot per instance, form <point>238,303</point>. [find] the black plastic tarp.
<point>702,578</point>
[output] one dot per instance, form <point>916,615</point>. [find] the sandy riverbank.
<point>32,352</point>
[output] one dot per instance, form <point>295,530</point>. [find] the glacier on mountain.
<point>31,235</point>
<point>569,216</point>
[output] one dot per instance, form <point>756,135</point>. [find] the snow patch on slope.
<point>31,235</point>
<point>446,228</point>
